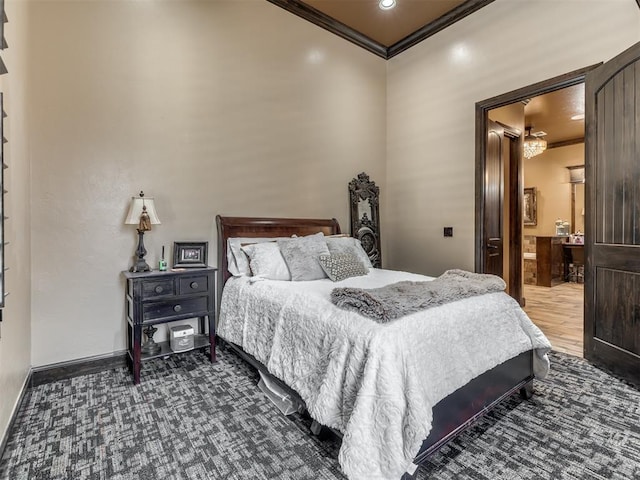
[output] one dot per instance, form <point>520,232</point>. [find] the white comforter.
<point>376,383</point>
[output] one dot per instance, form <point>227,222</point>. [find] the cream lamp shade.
<point>138,206</point>
<point>142,212</point>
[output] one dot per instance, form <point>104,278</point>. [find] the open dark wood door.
<point>493,200</point>
<point>612,277</point>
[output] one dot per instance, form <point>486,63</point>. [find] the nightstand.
<point>161,297</point>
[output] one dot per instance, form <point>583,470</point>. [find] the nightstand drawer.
<point>194,285</point>
<point>157,288</point>
<point>196,306</point>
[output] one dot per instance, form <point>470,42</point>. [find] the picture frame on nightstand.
<point>190,254</point>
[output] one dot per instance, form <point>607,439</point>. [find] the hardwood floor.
<point>558,312</point>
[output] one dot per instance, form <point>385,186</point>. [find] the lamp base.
<point>141,265</point>
<point>150,347</point>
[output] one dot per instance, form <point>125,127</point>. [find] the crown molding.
<point>301,9</point>
<point>324,21</point>
<point>446,20</point>
<point>566,143</point>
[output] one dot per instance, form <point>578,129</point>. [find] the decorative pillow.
<point>339,266</point>
<point>349,245</point>
<point>266,261</point>
<point>237,260</point>
<point>301,255</point>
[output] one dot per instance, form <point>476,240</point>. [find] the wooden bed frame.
<point>451,415</point>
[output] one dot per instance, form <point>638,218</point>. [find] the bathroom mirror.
<point>577,207</point>
<point>576,178</point>
<point>365,216</point>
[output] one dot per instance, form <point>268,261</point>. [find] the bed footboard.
<point>458,411</point>
<point>466,405</point>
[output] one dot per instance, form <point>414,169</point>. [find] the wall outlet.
<point>448,231</point>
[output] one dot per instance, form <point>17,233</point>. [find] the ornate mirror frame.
<point>365,216</point>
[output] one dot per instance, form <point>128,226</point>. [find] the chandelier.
<point>534,144</point>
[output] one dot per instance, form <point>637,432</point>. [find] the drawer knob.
<point>159,289</point>
<point>194,285</point>
<point>177,308</point>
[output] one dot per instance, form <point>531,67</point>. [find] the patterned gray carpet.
<point>190,419</point>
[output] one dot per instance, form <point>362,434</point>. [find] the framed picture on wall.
<point>190,254</point>
<point>530,214</point>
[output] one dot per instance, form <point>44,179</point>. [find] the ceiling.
<point>389,32</point>
<point>383,32</point>
<point>552,114</point>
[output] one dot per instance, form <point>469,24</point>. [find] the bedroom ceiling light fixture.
<point>142,212</point>
<point>534,144</point>
<point>386,4</point>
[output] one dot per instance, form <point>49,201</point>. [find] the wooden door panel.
<point>618,308</point>
<point>494,261</point>
<point>619,257</point>
<point>618,198</point>
<point>493,200</point>
<point>612,237</point>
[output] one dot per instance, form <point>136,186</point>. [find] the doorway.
<point>557,308</point>
<point>612,199</point>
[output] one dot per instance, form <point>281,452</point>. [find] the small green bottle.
<point>162,264</point>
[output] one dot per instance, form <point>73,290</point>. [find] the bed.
<point>382,400</point>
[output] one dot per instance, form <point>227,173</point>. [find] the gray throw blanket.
<point>403,298</point>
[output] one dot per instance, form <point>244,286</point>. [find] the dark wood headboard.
<point>230,227</point>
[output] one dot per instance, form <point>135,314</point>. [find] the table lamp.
<point>142,212</point>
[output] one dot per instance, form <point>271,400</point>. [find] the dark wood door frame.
<point>515,187</point>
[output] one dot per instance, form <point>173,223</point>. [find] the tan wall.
<point>216,107</point>
<point>548,173</point>
<point>15,333</point>
<point>432,91</point>
<point>511,115</point>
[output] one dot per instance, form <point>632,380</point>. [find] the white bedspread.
<point>376,383</point>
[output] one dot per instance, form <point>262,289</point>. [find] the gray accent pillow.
<point>339,266</point>
<point>301,255</point>
<point>266,261</point>
<point>344,244</point>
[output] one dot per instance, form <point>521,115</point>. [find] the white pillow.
<point>266,261</point>
<point>349,245</point>
<point>301,255</point>
<point>237,260</point>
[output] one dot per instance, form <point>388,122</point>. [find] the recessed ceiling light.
<point>579,116</point>
<point>387,4</point>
